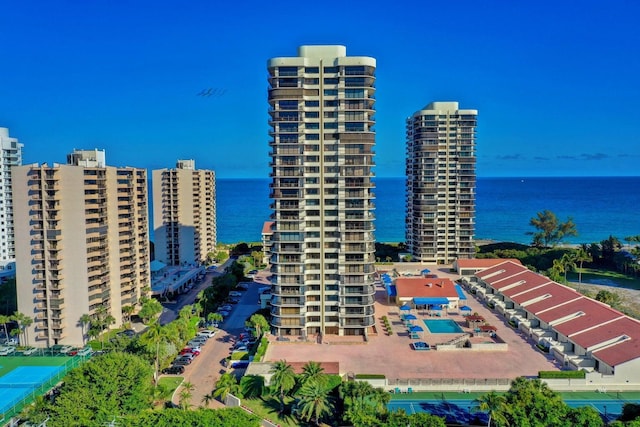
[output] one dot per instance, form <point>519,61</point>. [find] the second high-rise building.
<point>184,214</point>
<point>322,137</point>
<point>441,183</point>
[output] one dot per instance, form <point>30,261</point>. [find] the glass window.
<point>311,103</point>
<point>333,125</point>
<point>312,114</point>
<point>312,70</point>
<point>331,81</point>
<point>288,71</point>
<point>288,104</point>
<point>331,92</point>
<point>312,125</point>
<point>332,70</point>
<point>333,103</point>
<point>312,137</point>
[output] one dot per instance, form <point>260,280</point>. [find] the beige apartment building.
<point>83,244</point>
<point>441,183</point>
<point>321,107</point>
<point>184,214</point>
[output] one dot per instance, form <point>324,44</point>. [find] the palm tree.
<point>225,385</point>
<point>380,398</point>
<point>494,404</point>
<point>283,380</point>
<point>4,320</point>
<point>252,386</point>
<point>85,321</point>
<point>568,263</point>
<point>312,371</point>
<point>581,256</point>
<point>314,401</point>
<point>154,334</point>
<point>207,399</point>
<point>259,323</point>
<point>127,311</point>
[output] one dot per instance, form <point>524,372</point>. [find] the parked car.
<point>223,313</point>
<point>207,333</point>
<point>235,294</point>
<point>233,300</point>
<point>198,341</point>
<point>240,347</point>
<point>183,360</point>
<point>226,307</point>
<point>239,364</point>
<point>189,350</point>
<point>174,370</point>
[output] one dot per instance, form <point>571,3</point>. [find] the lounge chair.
<point>397,390</point>
<point>409,390</point>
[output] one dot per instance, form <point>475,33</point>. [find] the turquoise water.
<point>445,326</point>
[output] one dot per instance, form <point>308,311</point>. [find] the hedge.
<point>562,374</point>
<point>370,376</point>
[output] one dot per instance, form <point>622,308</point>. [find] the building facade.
<point>441,183</point>
<point>11,156</point>
<point>321,106</point>
<point>184,214</point>
<point>84,244</point>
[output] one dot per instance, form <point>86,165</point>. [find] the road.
<point>206,369</point>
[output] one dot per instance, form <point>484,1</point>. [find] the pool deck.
<point>393,356</point>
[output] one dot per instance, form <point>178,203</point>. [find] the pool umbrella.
<point>465,308</point>
<point>425,271</point>
<point>405,308</point>
<point>410,317</point>
<point>416,328</point>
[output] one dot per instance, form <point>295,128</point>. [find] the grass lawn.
<point>608,278</point>
<point>169,384</point>
<point>269,409</point>
<point>9,363</point>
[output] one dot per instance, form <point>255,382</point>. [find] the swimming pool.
<point>442,326</point>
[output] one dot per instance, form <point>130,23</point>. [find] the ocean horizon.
<point>599,206</point>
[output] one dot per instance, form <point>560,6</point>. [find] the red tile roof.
<point>621,335</point>
<point>584,314</point>
<point>266,227</point>
<point>412,287</point>
<point>500,272</point>
<point>554,295</point>
<point>531,281</point>
<point>483,262</point>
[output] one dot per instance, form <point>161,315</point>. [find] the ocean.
<point>599,207</point>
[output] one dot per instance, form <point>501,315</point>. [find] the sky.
<point>556,83</point>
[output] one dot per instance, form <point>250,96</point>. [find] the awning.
<point>391,290</point>
<point>405,308</point>
<point>431,301</point>
<point>461,294</point>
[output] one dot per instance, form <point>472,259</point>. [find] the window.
<point>310,103</point>
<point>333,125</point>
<point>312,115</point>
<point>333,103</point>
<point>312,137</point>
<point>288,71</point>
<point>330,114</point>
<point>331,70</point>
<point>354,93</point>
<point>312,125</point>
<point>331,92</point>
<point>288,105</point>
<point>312,70</point>
<point>331,81</point>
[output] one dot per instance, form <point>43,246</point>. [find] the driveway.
<point>207,367</point>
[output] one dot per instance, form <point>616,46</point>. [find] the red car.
<point>190,351</point>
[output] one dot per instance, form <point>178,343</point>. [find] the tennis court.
<point>461,410</point>
<point>24,378</point>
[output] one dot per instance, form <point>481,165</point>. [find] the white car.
<point>235,294</point>
<point>223,313</point>
<point>239,348</point>
<point>207,333</point>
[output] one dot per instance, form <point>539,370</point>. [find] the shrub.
<point>370,376</point>
<point>561,374</point>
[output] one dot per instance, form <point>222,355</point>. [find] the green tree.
<point>581,256</point>
<point>283,380</point>
<point>421,419</point>
<point>550,230</point>
<point>186,393</point>
<point>85,321</point>
<point>150,310</point>
<point>494,405</point>
<point>314,402</point>
<point>127,311</point>
<point>153,337</point>
<point>23,322</point>
<point>568,264</point>
<point>610,298</point>
<point>3,321</point>
<point>227,383</point>
<point>253,386</point>
<point>313,371</point>
<point>93,394</point>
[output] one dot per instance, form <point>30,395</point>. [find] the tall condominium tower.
<point>321,104</point>
<point>11,156</point>
<point>184,213</point>
<point>83,229</point>
<point>441,183</point>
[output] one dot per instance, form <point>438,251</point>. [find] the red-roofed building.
<point>421,291</point>
<point>469,267</point>
<point>579,332</point>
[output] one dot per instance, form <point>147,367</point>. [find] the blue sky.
<point>556,83</point>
